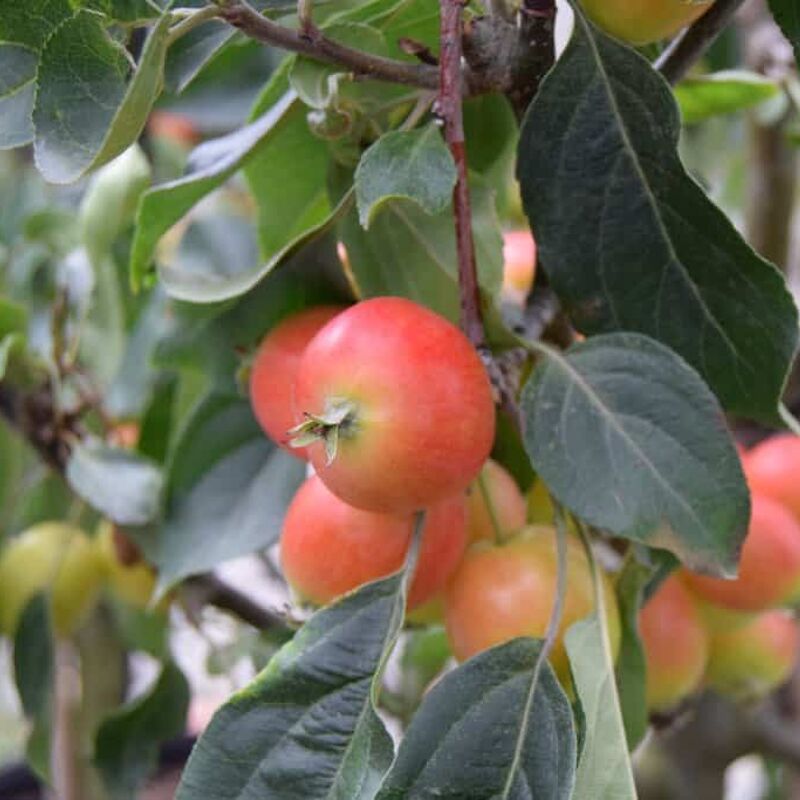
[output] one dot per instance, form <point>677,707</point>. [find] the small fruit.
<point>502,591</point>
<point>675,645</point>
<point>395,406</point>
<point>54,557</point>
<point>643,21</point>
<point>495,505</point>
<point>329,547</point>
<point>519,264</point>
<point>274,369</point>
<point>133,583</point>
<point>749,662</point>
<point>174,127</point>
<point>772,469</point>
<point>769,568</point>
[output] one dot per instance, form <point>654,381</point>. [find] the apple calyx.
<point>338,416</point>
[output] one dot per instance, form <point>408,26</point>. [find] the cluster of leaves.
<point>152,289</point>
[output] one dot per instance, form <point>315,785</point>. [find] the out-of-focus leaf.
<point>722,93</point>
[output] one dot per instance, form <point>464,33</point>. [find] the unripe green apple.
<point>504,590</point>
<point>56,557</point>
<point>133,583</point>
<point>643,21</point>
<point>749,662</point>
<point>675,644</point>
<point>497,488</point>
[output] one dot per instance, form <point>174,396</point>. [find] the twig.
<point>320,48</point>
<point>676,61</point>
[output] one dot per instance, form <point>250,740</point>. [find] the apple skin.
<point>769,568</point>
<point>751,661</point>
<point>502,591</point>
<point>519,264</point>
<point>641,22</point>
<point>54,557</point>
<point>329,548</point>
<point>675,643</point>
<point>132,583</point>
<point>772,469</point>
<point>507,501</point>
<point>274,370</point>
<point>422,416</point>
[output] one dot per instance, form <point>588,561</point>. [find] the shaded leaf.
<point>627,435</point>
<point>415,165</point>
<point>787,15</point>
<point>306,728</point>
<point>490,729</point>
<point>33,657</point>
<point>630,242</point>
<point>18,64</point>
<point>120,484</point>
<point>187,57</point>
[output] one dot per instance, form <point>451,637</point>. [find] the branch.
<point>314,44</point>
<point>676,61</point>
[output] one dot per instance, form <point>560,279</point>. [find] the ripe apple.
<point>749,662</point>
<point>769,568</point>
<point>494,499</point>
<point>274,369</point>
<point>133,582</point>
<point>56,557</point>
<point>174,127</point>
<point>675,644</point>
<point>772,469</point>
<point>519,264</point>
<point>643,21</point>
<point>329,547</point>
<point>394,405</point>
<point>504,590</point>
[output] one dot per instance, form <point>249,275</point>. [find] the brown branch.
<point>676,61</point>
<point>314,44</point>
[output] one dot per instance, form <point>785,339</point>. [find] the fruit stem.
<point>338,417</point>
<point>491,508</point>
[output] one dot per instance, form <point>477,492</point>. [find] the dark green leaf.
<point>630,242</point>
<point>89,107</point>
<point>489,729</point>
<point>188,56</point>
<point>490,130</point>
<point>722,93</point>
<point>415,165</point>
<point>604,767</point>
<point>124,10</point>
<point>306,728</point>
<point>126,745</point>
<point>410,253</point>
<point>630,667</point>
<point>33,656</point>
<point>8,345</point>
<point>31,22</point>
<point>787,15</point>
<point>627,435</point>
<point>229,489</point>
<point>120,484</point>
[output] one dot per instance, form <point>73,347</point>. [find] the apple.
<point>772,469</point>
<point>519,264</point>
<point>643,21</point>
<point>769,568</point>
<point>504,590</point>
<point>132,582</point>
<point>394,406</point>
<point>274,369</point>
<point>494,501</point>
<point>328,547</point>
<point>54,557</point>
<point>750,661</point>
<point>675,643</point>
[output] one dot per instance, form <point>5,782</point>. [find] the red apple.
<point>495,500</point>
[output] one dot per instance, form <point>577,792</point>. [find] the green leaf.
<point>210,165</point>
<point>787,15</point>
<point>629,240</point>
<point>193,51</point>
<point>415,165</point>
<point>127,11</point>
<point>604,767</point>
<point>127,742</point>
<point>13,317</point>
<point>18,64</point>
<point>306,728</point>
<point>31,22</point>
<point>229,489</point>
<point>490,729</point>
<point>87,110</point>
<point>631,669</point>
<point>8,345</point>
<point>722,93</point>
<point>121,485</point>
<point>33,657</point>
<point>628,436</point>
<point>409,253</point>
